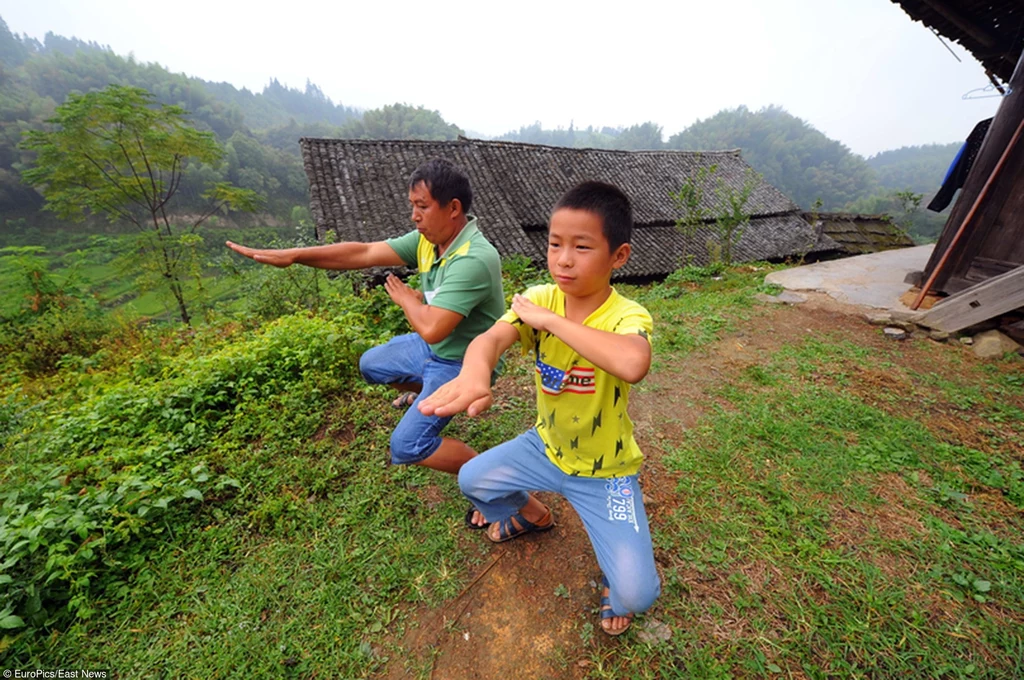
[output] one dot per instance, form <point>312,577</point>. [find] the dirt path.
<point>529,611</point>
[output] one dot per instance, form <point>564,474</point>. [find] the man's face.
<point>431,219</point>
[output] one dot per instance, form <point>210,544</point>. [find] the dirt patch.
<point>523,613</point>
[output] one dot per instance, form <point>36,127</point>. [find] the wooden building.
<point>358,191</point>
<point>984,234</point>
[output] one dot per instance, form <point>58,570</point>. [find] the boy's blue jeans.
<point>497,482</point>
<point>408,359</point>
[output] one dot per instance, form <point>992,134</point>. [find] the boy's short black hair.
<point>607,202</point>
<point>444,181</point>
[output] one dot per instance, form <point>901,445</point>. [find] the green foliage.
<point>88,497</point>
<point>690,200</point>
<point>401,121</point>
<point>914,168</point>
<point>791,155</point>
<point>638,137</point>
<point>904,208</point>
<point>519,273</point>
<point>724,213</point>
<point>113,153</point>
<point>734,216</point>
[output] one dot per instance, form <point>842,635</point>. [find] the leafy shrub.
<point>37,343</point>
<point>101,484</point>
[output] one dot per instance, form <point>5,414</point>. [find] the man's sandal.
<point>469,520</point>
<point>606,610</point>
<point>404,400</point>
<point>517,525</point>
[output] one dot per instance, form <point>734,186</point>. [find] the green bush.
<point>96,487</point>
<point>36,344</point>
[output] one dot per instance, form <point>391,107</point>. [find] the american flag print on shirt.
<point>578,380</point>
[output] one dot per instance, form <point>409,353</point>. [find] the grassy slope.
<point>815,527</point>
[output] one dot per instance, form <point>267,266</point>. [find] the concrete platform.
<point>872,280</point>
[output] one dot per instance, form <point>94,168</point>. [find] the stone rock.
<point>895,333</point>
<point>791,298</point>
<point>905,325</point>
<point>938,336</point>
<point>993,345</point>
<point>654,631</point>
<point>878,318</point>
<point>967,340</point>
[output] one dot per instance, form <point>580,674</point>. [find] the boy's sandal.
<point>509,529</point>
<point>404,400</point>
<point>469,520</point>
<point>606,610</point>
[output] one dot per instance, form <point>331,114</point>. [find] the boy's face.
<point>579,258</point>
<point>437,223</point>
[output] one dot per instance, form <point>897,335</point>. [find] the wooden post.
<point>1010,113</point>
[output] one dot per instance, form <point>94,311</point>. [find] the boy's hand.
<point>456,396</point>
<point>401,293</point>
<point>277,258</point>
<point>532,315</point>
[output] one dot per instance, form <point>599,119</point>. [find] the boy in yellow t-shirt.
<point>590,345</point>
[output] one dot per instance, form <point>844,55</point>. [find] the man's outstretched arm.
<point>471,390</point>
<point>350,255</point>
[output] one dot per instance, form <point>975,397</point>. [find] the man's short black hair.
<point>607,202</point>
<point>444,181</point>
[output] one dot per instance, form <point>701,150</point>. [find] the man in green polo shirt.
<point>460,273</point>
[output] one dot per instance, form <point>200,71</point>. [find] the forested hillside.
<point>259,132</point>
<point>917,168</point>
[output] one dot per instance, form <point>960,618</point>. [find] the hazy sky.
<point>858,70</point>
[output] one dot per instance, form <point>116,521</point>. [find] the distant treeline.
<point>260,131</point>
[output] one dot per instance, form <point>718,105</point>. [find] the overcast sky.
<point>858,70</point>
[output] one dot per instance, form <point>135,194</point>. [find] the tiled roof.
<point>358,190</point>
<point>858,234</point>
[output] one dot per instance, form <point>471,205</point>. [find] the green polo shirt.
<point>465,280</point>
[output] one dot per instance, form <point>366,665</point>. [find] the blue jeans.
<point>612,511</point>
<point>408,359</point>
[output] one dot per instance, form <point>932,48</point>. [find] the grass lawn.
<point>824,503</point>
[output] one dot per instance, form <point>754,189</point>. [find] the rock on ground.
<point>993,345</point>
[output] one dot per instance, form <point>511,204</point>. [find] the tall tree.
<point>116,153</point>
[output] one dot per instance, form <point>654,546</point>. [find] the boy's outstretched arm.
<point>625,356</point>
<point>471,390</point>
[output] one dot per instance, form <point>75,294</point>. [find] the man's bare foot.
<point>404,400</point>
<point>475,519</point>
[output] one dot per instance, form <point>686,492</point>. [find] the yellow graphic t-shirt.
<point>581,410</point>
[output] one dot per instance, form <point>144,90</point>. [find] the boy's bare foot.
<point>611,624</point>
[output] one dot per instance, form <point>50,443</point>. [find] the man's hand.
<point>455,396</point>
<point>532,315</point>
<point>277,258</point>
<point>402,294</point>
